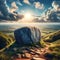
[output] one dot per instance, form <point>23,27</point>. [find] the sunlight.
<point>28,16</point>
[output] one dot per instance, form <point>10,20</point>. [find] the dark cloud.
<point>5,13</point>
<point>52,14</point>
<point>53,17</point>
<point>3,9</point>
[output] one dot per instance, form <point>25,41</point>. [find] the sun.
<point>28,16</point>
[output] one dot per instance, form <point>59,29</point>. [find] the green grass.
<point>8,39</point>
<point>54,45</point>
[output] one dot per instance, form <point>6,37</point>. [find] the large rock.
<point>27,35</point>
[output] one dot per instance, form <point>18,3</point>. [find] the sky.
<point>30,10</point>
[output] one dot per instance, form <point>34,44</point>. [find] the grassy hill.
<point>52,40</point>
<point>5,41</point>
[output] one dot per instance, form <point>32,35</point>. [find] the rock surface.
<point>27,35</point>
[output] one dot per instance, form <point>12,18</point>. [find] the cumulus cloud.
<point>26,2</point>
<point>52,14</point>
<point>14,7</point>
<point>38,5</point>
<point>56,5</point>
<point>6,14</point>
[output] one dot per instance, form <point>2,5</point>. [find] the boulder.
<point>27,35</point>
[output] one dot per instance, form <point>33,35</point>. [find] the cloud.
<point>14,7</point>
<point>52,14</point>
<point>6,14</point>
<point>56,5</point>
<point>38,5</point>
<point>3,9</point>
<point>26,2</point>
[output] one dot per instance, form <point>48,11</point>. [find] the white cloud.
<point>38,5</point>
<point>26,1</point>
<point>52,14</point>
<point>56,5</point>
<point>14,7</point>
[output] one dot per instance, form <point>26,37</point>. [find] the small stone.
<point>15,49</point>
<point>38,58</point>
<point>19,55</point>
<point>28,55</point>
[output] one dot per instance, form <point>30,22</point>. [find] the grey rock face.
<point>27,35</point>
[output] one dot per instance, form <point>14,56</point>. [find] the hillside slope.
<point>5,41</point>
<point>53,42</point>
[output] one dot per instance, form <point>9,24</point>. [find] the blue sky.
<point>48,10</point>
<point>26,7</point>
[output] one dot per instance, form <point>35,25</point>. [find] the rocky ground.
<point>30,54</point>
<point>34,53</point>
